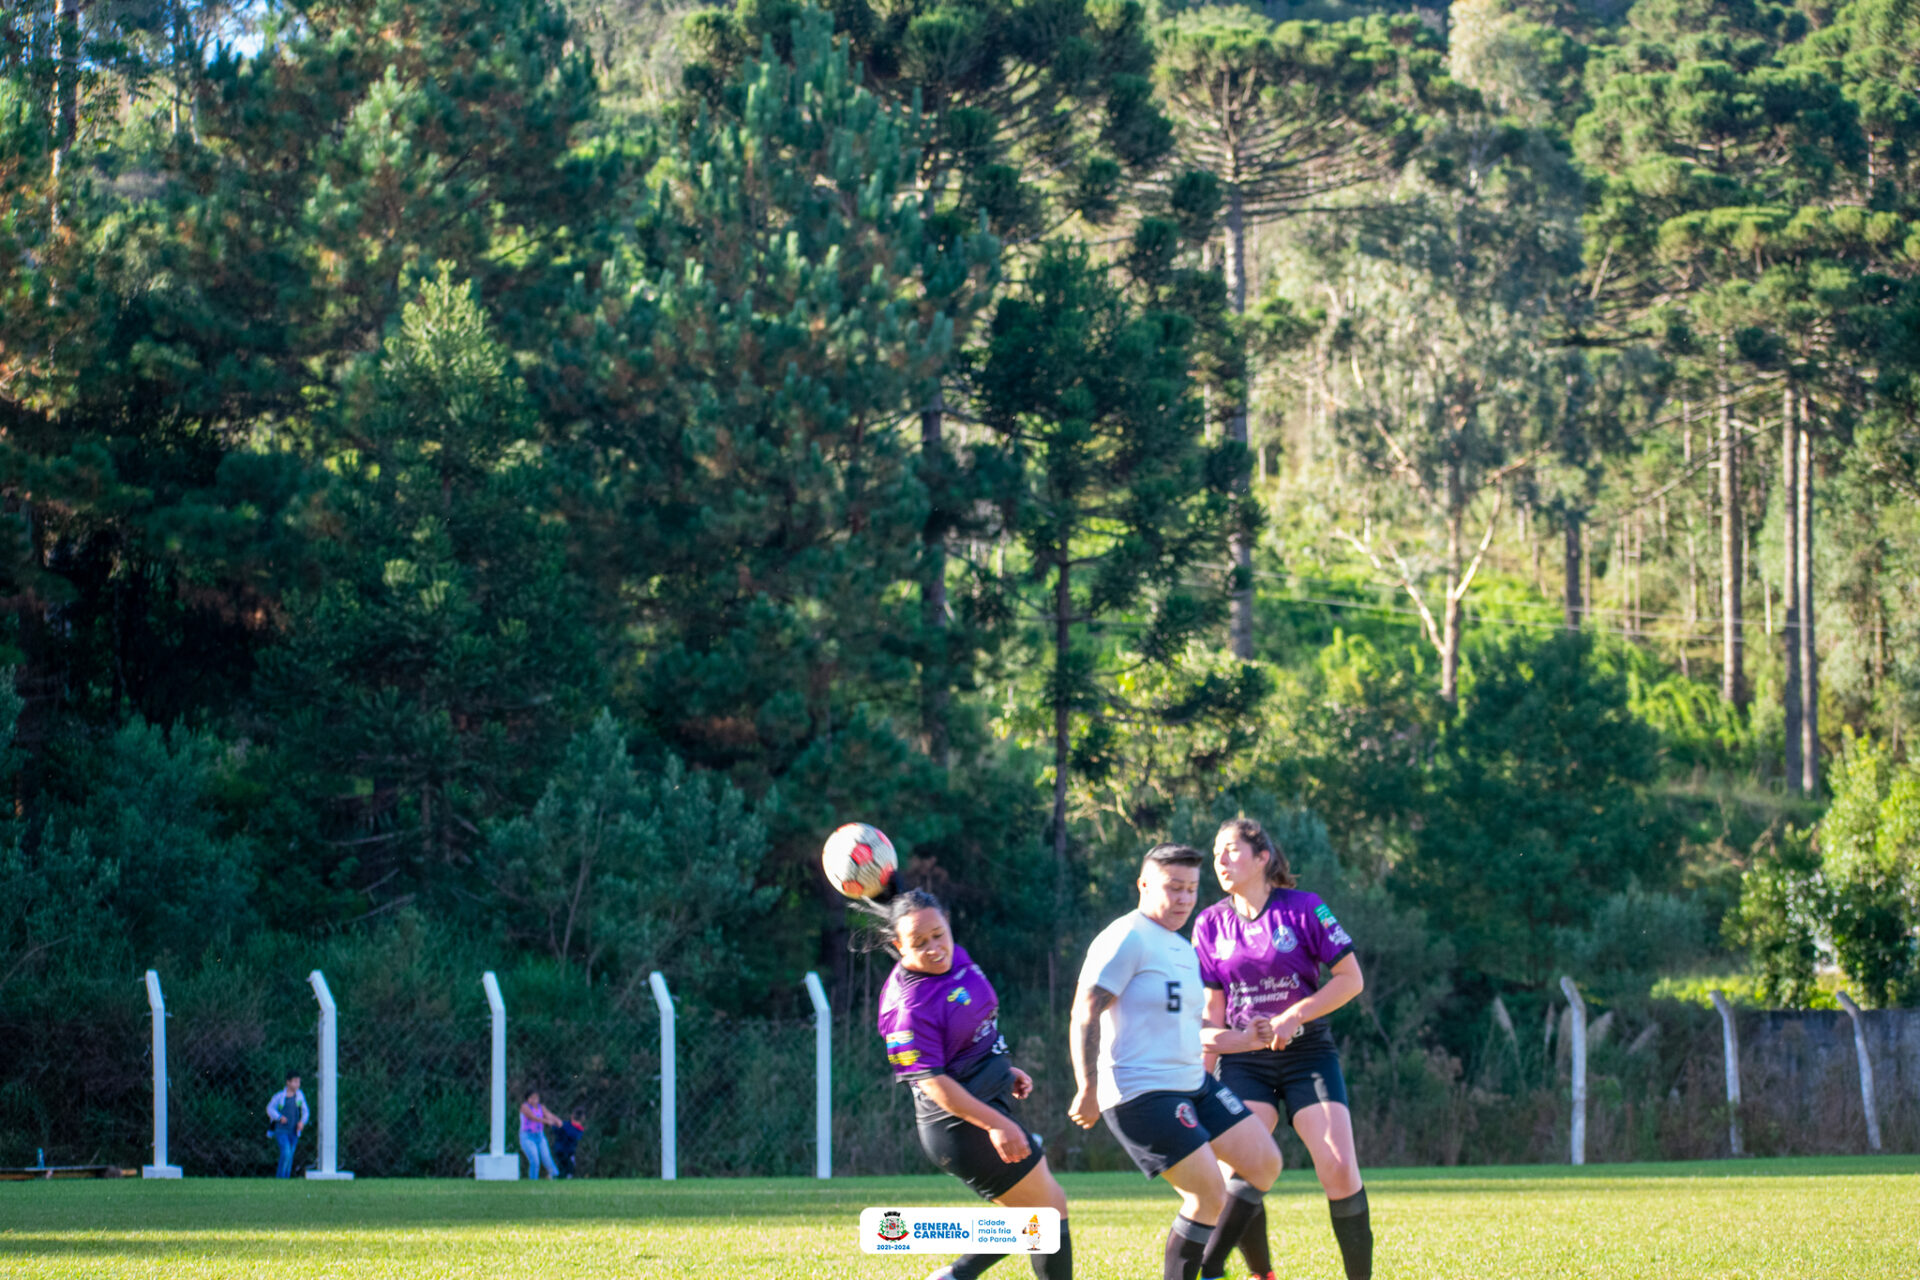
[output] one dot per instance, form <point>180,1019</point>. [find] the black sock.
<point>969,1265</point>
<point>1186,1241</point>
<point>1253,1242</point>
<point>1354,1230</point>
<point>1243,1201</point>
<point>1055,1266</point>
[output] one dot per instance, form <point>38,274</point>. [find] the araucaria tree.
<point>1285,118</point>
<point>1116,502</point>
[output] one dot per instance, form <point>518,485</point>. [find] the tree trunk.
<point>1239,545</point>
<point>1062,708</point>
<point>935,694</point>
<point>1809,656</point>
<point>66,125</point>
<point>1733,673</point>
<point>1790,579</point>
<point>1570,559</point>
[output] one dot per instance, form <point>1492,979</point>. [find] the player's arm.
<point>1344,984</point>
<point>1089,1003</point>
<point>1216,1037</point>
<point>1009,1139</point>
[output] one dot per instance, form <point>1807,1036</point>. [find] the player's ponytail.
<point>886,910</point>
<point>1279,874</point>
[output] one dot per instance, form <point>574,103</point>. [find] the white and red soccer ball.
<point>859,860</point>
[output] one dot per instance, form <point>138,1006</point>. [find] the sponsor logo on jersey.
<point>1223,946</point>
<point>1283,939</point>
<point>893,1225</point>
<point>899,1039</point>
<point>1186,1115</point>
<point>1338,937</point>
<point>985,1029</point>
<point>1325,913</point>
<point>959,995</point>
<point>904,1058</point>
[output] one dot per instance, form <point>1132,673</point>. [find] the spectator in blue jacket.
<point>289,1115</point>
<point>566,1140</point>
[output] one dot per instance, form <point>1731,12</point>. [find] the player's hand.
<point>1085,1109</point>
<point>1285,1028</point>
<point>1022,1084</point>
<point>1261,1031</point>
<point>1010,1141</point>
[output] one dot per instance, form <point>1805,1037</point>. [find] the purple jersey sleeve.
<point>913,1032</point>
<point>1325,940</point>
<point>1204,930</point>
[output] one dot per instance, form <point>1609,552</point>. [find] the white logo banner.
<point>970,1230</point>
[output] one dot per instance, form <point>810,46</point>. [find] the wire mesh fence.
<point>414,1090</point>
<point>415,1084</point>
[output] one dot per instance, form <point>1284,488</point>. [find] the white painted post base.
<point>321,1175</point>
<point>489,1168</point>
<point>160,1171</point>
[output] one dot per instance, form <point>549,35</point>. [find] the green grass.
<point>1857,1218</point>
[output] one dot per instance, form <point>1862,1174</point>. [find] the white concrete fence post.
<point>1730,1049</point>
<point>329,1170</point>
<point>669,1149</point>
<point>158,1004</point>
<point>822,1078</point>
<point>1866,1069</point>
<point>495,1165</point>
<point>1577,1025</point>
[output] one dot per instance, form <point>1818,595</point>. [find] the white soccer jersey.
<point>1150,1034</point>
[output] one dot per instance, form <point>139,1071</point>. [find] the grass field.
<point>1857,1219</point>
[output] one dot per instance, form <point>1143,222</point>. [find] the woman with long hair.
<point>1261,950</point>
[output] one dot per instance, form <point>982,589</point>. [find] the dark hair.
<point>578,1113</point>
<point>888,910</point>
<point>529,1093</point>
<point>1279,874</point>
<point>1173,855</point>
<point>291,1075</point>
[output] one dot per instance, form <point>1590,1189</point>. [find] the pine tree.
<point>735,395</point>
<point>1118,503</point>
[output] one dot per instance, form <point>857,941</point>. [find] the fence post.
<point>822,1078</point>
<point>1730,1044</point>
<point>496,1165</point>
<point>669,1142</point>
<point>1866,1069</point>
<point>1577,1024</point>
<point>329,1082</point>
<point>158,1003</point>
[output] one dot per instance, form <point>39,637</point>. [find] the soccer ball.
<point>859,860</point>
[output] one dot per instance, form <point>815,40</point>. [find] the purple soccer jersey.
<point>940,1024</point>
<point>1271,961</point>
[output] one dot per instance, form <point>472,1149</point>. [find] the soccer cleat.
<point>944,1273</point>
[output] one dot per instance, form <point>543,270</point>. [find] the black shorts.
<point>1288,1080</point>
<point>1162,1128</point>
<point>964,1150</point>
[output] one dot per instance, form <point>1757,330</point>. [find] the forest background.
<point>490,484</point>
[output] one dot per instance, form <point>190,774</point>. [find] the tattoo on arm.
<point>1093,1002</point>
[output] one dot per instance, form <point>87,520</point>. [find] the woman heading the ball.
<point>939,1017</point>
<point>1260,952</point>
